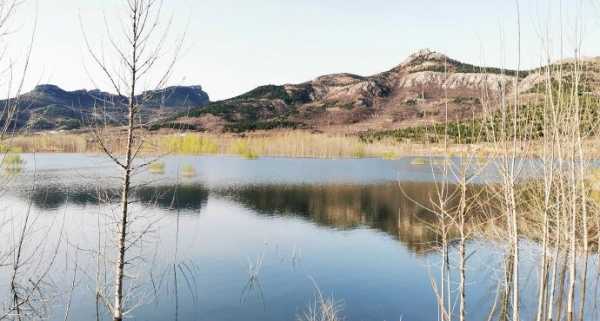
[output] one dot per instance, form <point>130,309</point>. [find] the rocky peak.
<point>177,96</point>
<point>425,55</point>
<point>48,89</point>
<point>341,79</point>
<point>426,60</point>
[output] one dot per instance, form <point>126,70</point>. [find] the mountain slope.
<point>419,88</point>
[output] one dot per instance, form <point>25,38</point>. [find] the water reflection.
<point>266,221</point>
<point>171,197</point>
<point>388,207</point>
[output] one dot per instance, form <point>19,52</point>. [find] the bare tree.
<point>136,54</point>
<point>13,79</point>
<point>27,259</point>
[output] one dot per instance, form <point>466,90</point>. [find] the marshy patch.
<point>188,170</point>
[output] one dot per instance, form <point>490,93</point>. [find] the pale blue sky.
<point>236,45</point>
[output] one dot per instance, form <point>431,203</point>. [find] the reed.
<point>242,147</point>
<point>389,155</point>
<point>56,143</point>
<point>10,149</point>
<point>188,170</point>
<point>281,143</point>
<point>419,161</point>
<point>157,168</point>
<point>12,163</point>
<point>323,308</point>
<point>12,160</point>
<point>186,144</point>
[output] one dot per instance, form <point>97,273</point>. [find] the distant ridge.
<point>48,106</point>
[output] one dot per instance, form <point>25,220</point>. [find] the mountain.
<point>50,107</point>
<point>418,90</point>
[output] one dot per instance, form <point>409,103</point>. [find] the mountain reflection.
<point>393,208</point>
<point>389,207</point>
<point>190,197</point>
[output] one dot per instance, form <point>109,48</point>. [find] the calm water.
<point>349,227</point>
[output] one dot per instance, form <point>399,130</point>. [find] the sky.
<point>232,46</point>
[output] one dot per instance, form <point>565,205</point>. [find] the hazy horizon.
<point>233,46</point>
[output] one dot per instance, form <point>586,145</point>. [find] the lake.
<point>224,238</point>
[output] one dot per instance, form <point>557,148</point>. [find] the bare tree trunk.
<point>583,193</point>
<point>549,148</point>
<point>505,308</point>
<point>122,230</point>
<point>552,289</point>
<point>560,189</point>
<point>444,268</point>
<point>542,290</point>
<point>561,286</point>
<point>512,201</point>
<point>572,241</point>
<point>515,269</point>
<point>462,250</point>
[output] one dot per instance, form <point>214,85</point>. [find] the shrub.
<point>244,126</point>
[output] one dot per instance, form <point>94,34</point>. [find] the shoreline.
<point>285,144</point>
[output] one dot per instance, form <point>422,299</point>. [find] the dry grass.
<point>296,143</point>
<point>322,309</point>
<point>59,143</point>
<point>290,143</point>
